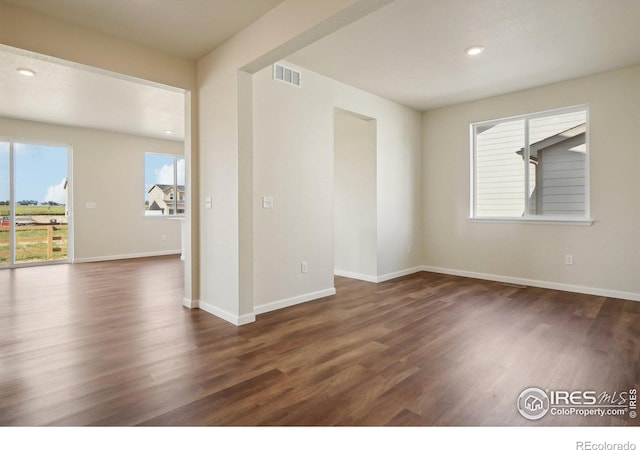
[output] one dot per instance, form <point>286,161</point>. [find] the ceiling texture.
<point>187,28</point>
<point>410,51</point>
<point>413,51</point>
<point>70,94</point>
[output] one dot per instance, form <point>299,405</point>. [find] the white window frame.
<point>527,217</point>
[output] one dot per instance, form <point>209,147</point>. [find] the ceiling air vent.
<point>286,75</point>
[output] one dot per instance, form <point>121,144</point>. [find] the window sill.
<point>160,217</point>
<point>536,220</point>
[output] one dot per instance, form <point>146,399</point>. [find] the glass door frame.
<point>12,205</point>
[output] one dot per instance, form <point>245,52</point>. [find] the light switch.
<point>91,205</point>
<point>267,202</point>
<point>208,203</point>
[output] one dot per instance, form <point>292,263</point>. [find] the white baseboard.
<point>377,279</point>
<point>279,304</point>
<point>127,256</point>
<point>225,315</point>
<point>400,273</point>
<point>537,283</point>
<point>190,303</point>
<point>355,276</point>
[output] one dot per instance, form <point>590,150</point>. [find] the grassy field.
<point>31,245</point>
<point>34,210</point>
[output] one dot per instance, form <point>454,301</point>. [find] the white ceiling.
<point>70,94</point>
<point>187,28</point>
<point>412,51</point>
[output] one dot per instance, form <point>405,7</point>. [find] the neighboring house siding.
<point>163,196</point>
<point>563,184</point>
<point>499,171</point>
<point>157,195</point>
<point>557,167</point>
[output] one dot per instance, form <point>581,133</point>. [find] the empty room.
<point>339,213</point>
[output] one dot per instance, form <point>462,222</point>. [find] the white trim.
<point>537,283</point>
<point>70,206</point>
<point>571,220</point>
<point>162,217</point>
<point>127,256</point>
<point>11,141</point>
<point>535,115</point>
<point>355,276</point>
<point>587,165</point>
<point>190,303</point>
<point>379,278</point>
<point>35,264</point>
<point>400,273</point>
<point>291,301</point>
<point>541,220</point>
<point>245,319</point>
<point>226,315</point>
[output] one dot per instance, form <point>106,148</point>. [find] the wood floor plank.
<point>110,344</point>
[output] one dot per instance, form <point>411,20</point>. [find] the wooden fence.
<point>36,242</point>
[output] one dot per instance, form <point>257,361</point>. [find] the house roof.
<point>155,207</point>
<point>569,138</point>
<point>164,187</point>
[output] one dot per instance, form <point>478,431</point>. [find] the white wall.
<point>223,256</point>
<point>605,254</point>
<point>225,141</point>
<point>355,237</point>
<point>28,30</point>
<point>108,169</point>
<point>43,34</point>
<point>293,162</point>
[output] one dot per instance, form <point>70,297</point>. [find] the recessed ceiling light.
<point>26,72</point>
<point>475,50</point>
<point>168,131</point>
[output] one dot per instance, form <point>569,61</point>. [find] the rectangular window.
<point>533,167</point>
<point>164,185</point>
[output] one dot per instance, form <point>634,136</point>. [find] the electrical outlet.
<point>304,268</point>
<point>164,237</point>
<point>409,249</point>
<point>568,260</point>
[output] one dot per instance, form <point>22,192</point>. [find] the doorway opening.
<point>355,196</point>
<point>35,204</point>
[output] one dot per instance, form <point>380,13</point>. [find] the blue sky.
<point>40,172</point>
<point>158,169</point>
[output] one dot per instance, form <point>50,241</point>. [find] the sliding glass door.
<point>5,195</point>
<point>36,213</point>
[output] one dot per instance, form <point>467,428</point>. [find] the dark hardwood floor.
<point>110,344</point>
